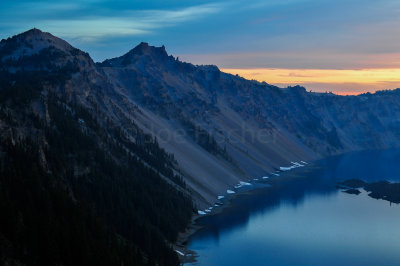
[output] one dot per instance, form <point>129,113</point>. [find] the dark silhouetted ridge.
<point>143,50</point>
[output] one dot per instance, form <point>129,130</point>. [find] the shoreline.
<point>186,255</point>
<point>180,246</point>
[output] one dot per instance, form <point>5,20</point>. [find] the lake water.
<point>303,219</point>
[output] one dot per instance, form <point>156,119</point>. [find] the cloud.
<point>88,23</point>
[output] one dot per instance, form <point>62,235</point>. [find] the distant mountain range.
<point>120,154</point>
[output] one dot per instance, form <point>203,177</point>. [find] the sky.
<point>343,46</point>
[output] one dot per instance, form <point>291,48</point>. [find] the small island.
<point>378,190</point>
<point>352,191</point>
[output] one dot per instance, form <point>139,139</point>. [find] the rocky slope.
<point>262,127</point>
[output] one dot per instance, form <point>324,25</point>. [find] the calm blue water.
<point>302,219</point>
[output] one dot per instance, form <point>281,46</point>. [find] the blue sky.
<point>295,34</point>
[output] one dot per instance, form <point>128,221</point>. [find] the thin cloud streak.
<point>89,28</point>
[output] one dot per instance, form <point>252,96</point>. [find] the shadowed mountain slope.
<point>261,127</point>
<point>76,188</point>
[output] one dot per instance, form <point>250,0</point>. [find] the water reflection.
<point>291,189</point>
<point>309,196</point>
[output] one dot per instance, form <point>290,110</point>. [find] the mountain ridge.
<point>170,92</point>
<point>190,132</point>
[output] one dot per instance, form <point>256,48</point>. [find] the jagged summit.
<point>145,48</point>
<point>142,50</point>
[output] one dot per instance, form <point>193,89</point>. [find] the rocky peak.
<point>142,52</point>
<point>36,49</point>
<point>36,32</point>
<point>144,48</point>
<point>297,89</point>
<point>29,43</point>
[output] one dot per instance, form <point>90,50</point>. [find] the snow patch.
<point>241,184</point>
<point>220,197</point>
<point>180,253</point>
<point>294,165</point>
<point>201,212</point>
<point>230,191</point>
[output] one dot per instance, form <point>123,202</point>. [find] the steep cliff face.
<point>261,127</point>
<point>177,98</point>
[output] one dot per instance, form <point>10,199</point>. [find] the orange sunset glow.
<point>344,82</point>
